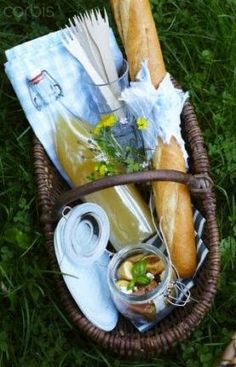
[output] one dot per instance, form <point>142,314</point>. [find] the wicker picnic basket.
<point>125,340</point>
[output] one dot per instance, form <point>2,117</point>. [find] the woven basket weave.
<point>125,340</point>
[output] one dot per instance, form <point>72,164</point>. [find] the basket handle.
<point>198,184</point>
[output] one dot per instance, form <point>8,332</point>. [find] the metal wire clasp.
<point>43,88</point>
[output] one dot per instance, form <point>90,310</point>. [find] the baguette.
<point>172,200</point>
<point>173,205</point>
<point>139,36</point>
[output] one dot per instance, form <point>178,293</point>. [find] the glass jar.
<point>105,104</point>
<point>143,308</point>
<point>124,131</point>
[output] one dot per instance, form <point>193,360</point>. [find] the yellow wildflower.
<point>101,169</point>
<point>142,123</point>
<point>106,121</point>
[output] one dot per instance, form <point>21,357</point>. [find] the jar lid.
<point>85,233</point>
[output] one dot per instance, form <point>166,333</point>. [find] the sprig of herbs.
<point>139,275</point>
<point>129,157</point>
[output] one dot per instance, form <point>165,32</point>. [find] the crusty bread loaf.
<point>138,33</point>
<point>139,36</point>
<point>173,205</point>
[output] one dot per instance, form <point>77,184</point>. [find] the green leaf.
<point>131,285</point>
<point>143,280</point>
<point>139,268</point>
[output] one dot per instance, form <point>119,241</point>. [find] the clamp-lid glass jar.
<point>138,278</point>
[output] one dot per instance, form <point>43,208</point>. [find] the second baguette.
<point>173,205</point>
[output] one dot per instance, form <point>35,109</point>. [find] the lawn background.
<point>198,41</point>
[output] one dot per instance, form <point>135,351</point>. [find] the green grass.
<point>198,40</point>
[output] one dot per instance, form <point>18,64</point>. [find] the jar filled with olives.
<point>139,279</point>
